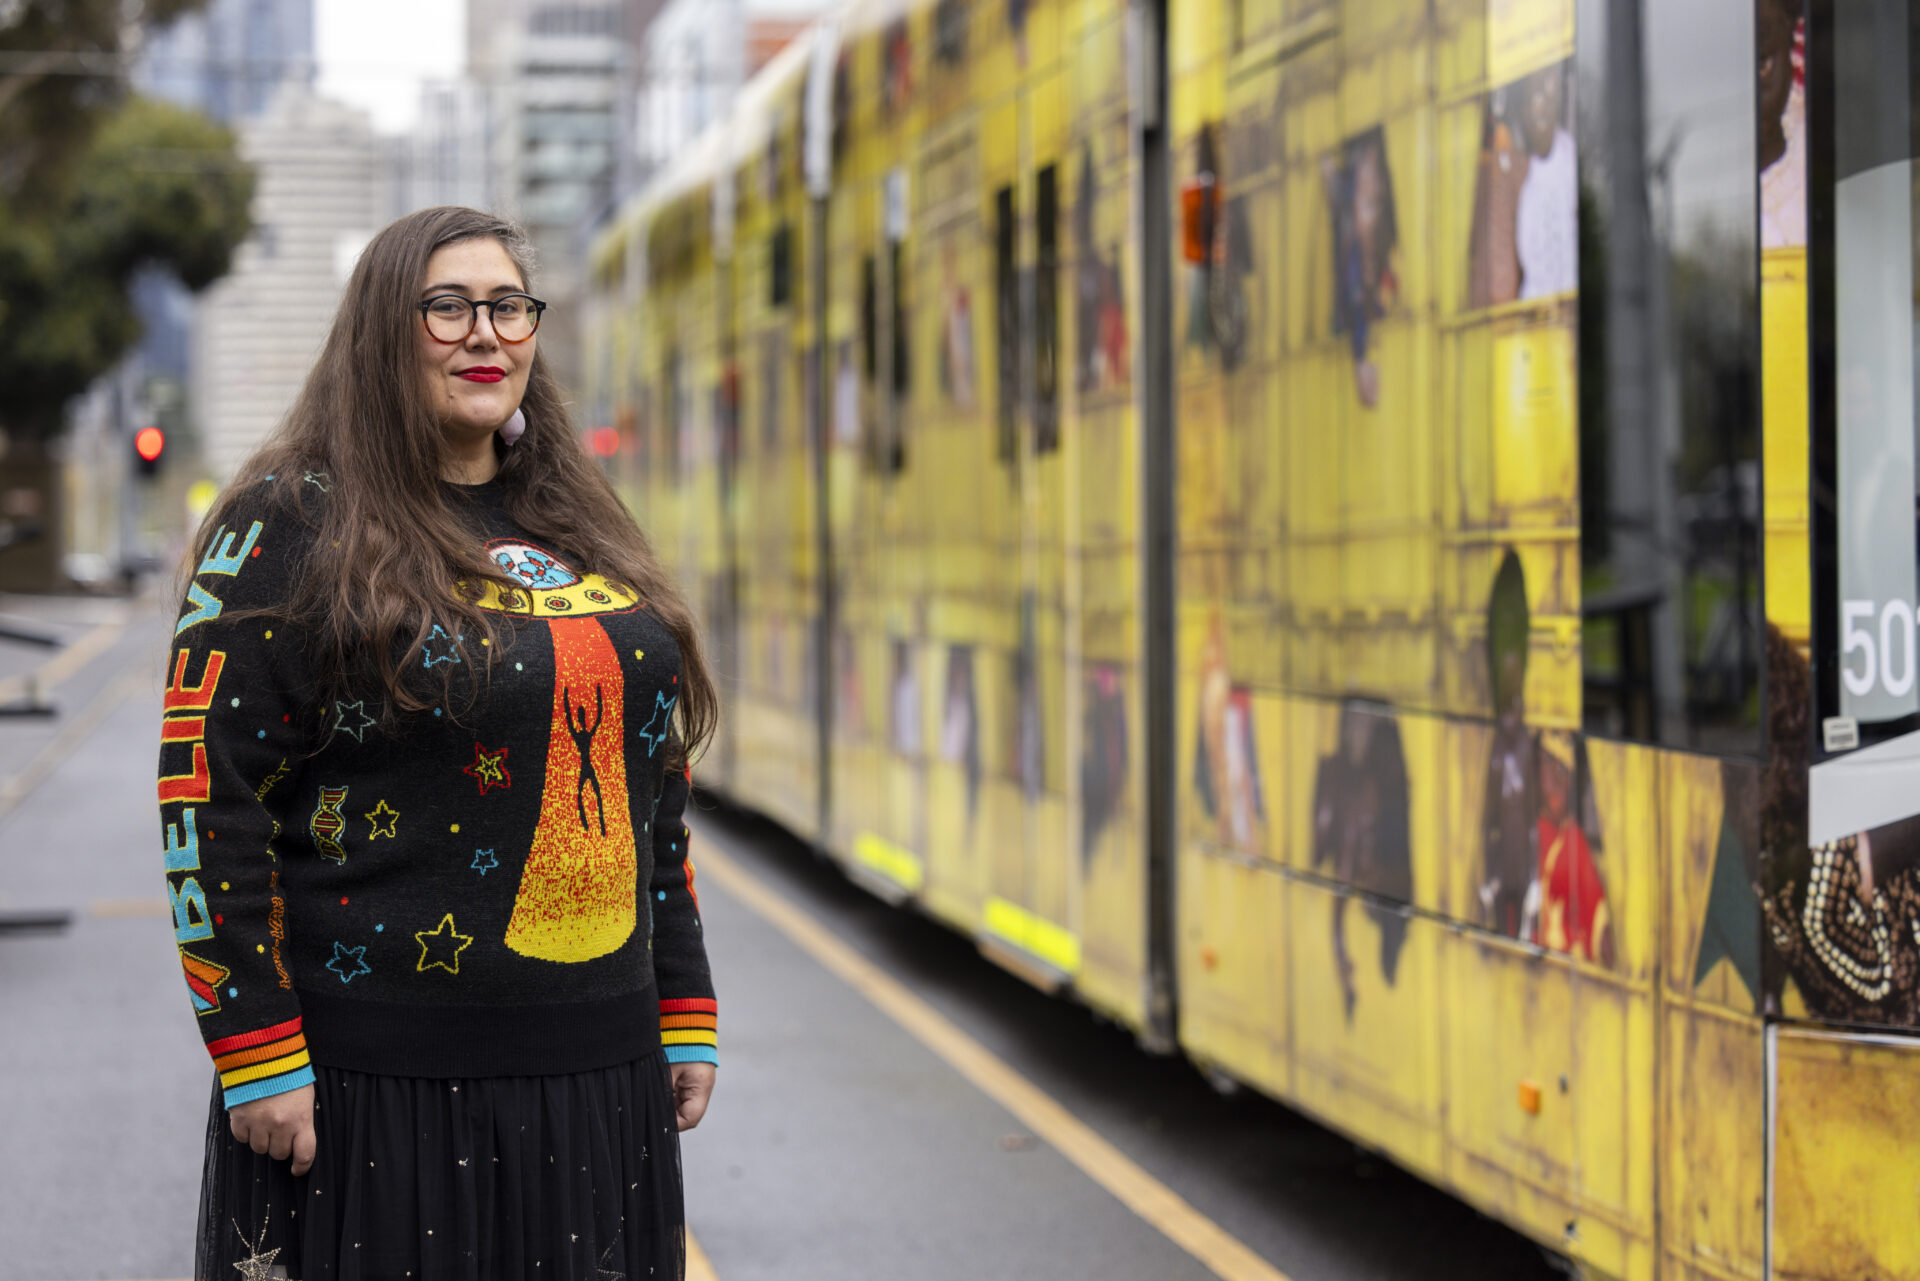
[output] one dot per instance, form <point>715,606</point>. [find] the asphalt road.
<point>839,1145</point>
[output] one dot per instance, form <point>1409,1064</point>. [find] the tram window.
<point>902,379</point>
<point>1046,312</point>
<point>1669,328</point>
<point>1865,222</point>
<point>780,266</point>
<point>1006,288</point>
<point>869,320</point>
<point>902,327</point>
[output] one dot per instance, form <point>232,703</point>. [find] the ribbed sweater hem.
<point>392,1039</point>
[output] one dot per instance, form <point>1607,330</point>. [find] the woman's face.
<point>477,383</point>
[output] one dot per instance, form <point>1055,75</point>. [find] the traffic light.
<point>149,444</point>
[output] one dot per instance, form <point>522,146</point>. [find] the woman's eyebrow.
<point>448,287</point>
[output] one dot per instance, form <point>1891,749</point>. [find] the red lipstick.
<point>482,374</point>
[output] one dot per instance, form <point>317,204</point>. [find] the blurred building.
<point>445,159</point>
<point>551,70</point>
<point>316,203</point>
<point>552,73</point>
<point>225,61</point>
<point>228,59</point>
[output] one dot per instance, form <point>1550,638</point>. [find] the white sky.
<point>375,53</point>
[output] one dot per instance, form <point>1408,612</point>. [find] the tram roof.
<point>752,117</point>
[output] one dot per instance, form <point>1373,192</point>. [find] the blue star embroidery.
<point>358,724</point>
<point>349,962</point>
<point>483,860</point>
<point>440,637</point>
<point>662,709</point>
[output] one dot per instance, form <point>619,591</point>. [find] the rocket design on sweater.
<point>456,893</point>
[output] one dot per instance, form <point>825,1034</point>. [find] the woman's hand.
<point>692,1087</point>
<point>281,1125</point>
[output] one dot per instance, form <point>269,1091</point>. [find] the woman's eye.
<point>449,307</point>
<point>509,308</point>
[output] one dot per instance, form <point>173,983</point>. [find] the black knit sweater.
<point>497,888</point>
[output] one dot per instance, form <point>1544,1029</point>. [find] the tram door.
<point>1063,684</point>
<point>875,503</point>
<point>1028,914</point>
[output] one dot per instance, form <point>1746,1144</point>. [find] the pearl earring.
<point>514,428</point>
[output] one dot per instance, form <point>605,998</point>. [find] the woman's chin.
<point>472,428</point>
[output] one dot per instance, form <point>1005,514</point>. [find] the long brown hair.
<point>364,426</point>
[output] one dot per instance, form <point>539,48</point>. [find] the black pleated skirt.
<point>548,1178</point>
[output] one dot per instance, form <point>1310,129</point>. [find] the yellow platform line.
<point>1222,1254</point>
<point>699,1267</point>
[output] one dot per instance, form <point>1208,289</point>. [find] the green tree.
<point>95,185</point>
<point>62,72</point>
<point>156,186</point>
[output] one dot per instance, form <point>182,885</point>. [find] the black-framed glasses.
<point>451,317</point>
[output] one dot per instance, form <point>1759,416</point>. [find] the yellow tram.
<point>1372,541</point>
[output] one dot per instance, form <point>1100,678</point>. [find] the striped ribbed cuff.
<point>689,1030</point>
<point>256,1065</point>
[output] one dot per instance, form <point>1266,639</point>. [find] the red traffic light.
<point>148,442</point>
<point>606,441</point>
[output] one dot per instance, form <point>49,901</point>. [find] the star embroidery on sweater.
<point>451,653</point>
<point>483,861</point>
<point>380,828</point>
<point>358,724</point>
<point>489,768</point>
<point>349,962</point>
<point>662,710</point>
<point>441,946</point>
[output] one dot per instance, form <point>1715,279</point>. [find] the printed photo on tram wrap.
<point>1104,761</point>
<point>905,700</point>
<point>846,396</point>
<point>1100,305</point>
<point>1226,762</point>
<point>1780,47</point>
<point>1524,241</point>
<point>1366,249</point>
<point>1542,879</point>
<point>1217,246</point>
<point>960,723</point>
<point>850,700</point>
<point>1842,916</point>
<point>1361,833</point>
<point>896,65</point>
<point>956,331</point>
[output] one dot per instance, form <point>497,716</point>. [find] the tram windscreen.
<point>1876,350</point>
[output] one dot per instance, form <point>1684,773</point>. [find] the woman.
<point>422,773</point>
